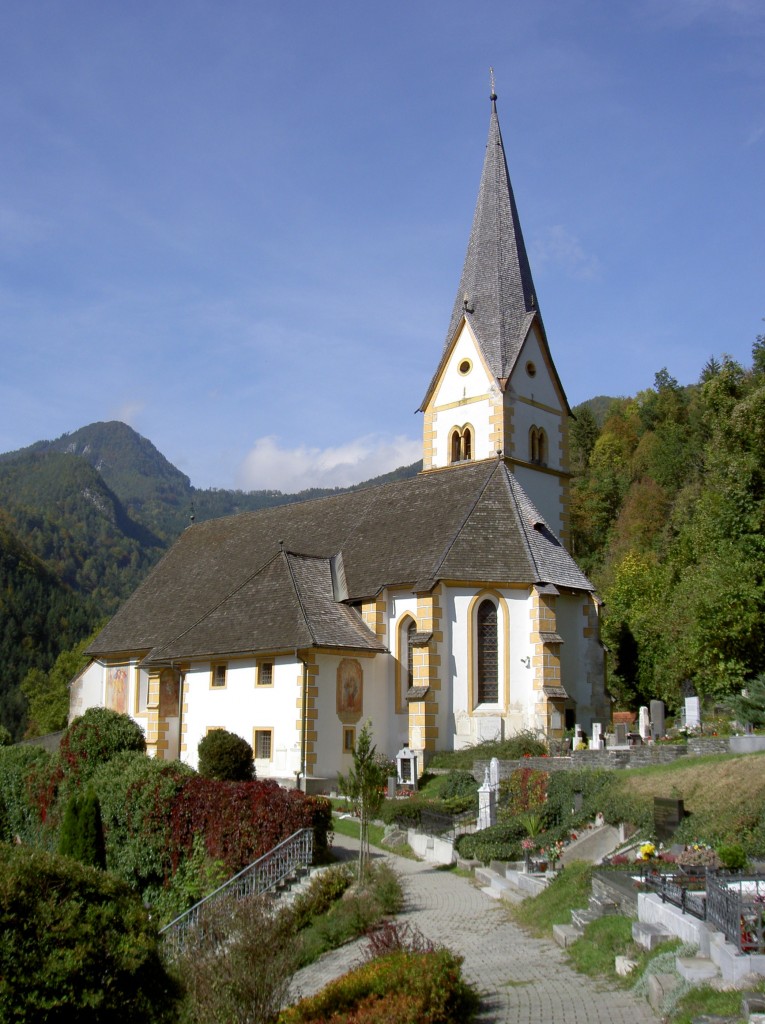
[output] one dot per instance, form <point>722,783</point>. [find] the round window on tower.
<point>465,367</point>
<point>531,369</point>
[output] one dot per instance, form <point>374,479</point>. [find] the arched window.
<point>488,653</point>
<point>410,634</point>
<point>542,447</point>
<point>455,446</point>
<point>461,444</point>
<point>467,444</point>
<point>538,446</point>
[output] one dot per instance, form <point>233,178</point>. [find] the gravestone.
<point>596,743</point>
<point>692,712</point>
<point>620,731</point>
<point>667,815</point>
<point>658,727</point>
<point>644,724</point>
<point>494,773</point>
<point>487,803</point>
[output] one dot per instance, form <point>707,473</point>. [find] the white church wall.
<point>241,707</point>
<point>544,490</point>
<point>538,386</point>
<point>467,396</point>
<point>525,417</point>
<point>87,690</point>
<point>331,755</point>
<point>400,606</point>
<point>581,657</point>
<point>471,724</point>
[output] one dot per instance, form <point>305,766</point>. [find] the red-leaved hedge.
<point>241,821</point>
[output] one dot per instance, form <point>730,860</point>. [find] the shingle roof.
<point>231,585</point>
<point>496,293</point>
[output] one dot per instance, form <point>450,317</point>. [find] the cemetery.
<point>682,877</point>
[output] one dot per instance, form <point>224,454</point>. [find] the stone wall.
<point>699,745</point>
<point>632,757</point>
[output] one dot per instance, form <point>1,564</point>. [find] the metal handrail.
<point>261,876</point>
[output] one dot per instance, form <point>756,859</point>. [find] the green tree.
<point>47,693</point>
<point>363,785</point>
<point>224,755</point>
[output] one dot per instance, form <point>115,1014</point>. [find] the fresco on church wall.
<point>116,688</point>
<point>350,689</point>
<point>169,692</point>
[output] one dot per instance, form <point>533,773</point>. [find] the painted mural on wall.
<point>169,693</point>
<point>116,688</point>
<point>350,690</point>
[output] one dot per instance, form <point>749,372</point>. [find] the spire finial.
<point>493,96</point>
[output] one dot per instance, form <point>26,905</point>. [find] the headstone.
<point>644,724</point>
<point>658,728</point>
<point>667,815</point>
<point>392,781</point>
<point>692,712</point>
<point>487,803</point>
<point>620,731</point>
<point>596,743</point>
<point>578,801</point>
<point>494,773</point>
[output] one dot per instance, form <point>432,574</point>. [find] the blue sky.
<point>239,225</point>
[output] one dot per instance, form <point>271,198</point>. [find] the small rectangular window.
<point>263,744</point>
<point>218,675</point>
<point>266,673</point>
<point>349,740</point>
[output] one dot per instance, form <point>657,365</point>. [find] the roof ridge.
<point>511,484</point>
<point>287,556</point>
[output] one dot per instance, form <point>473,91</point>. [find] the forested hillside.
<point>39,618</point>
<point>668,518</point>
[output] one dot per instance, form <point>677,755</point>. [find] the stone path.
<point>520,979</point>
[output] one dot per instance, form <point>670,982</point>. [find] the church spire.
<point>496,291</point>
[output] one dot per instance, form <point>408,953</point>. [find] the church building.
<point>444,609</point>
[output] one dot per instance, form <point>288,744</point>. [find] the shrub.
<point>82,835</point>
<point>225,756</point>
<point>136,794</point>
<point>526,788</point>
<point>249,983</point>
<point>77,945</point>
<point>323,890</point>
<point>95,737</point>
<point>732,856</point>
<point>499,842</point>
<point>397,988</point>
<point>458,784</point>
<point>20,768</point>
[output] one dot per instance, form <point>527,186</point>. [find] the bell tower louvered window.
<point>488,653</point>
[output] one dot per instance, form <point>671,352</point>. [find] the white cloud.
<point>271,466</point>
<point>557,246</point>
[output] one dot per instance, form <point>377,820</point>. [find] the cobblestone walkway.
<point>520,979</point>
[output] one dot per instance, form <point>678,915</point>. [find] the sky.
<point>239,225</point>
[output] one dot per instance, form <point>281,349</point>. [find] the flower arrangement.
<point>647,852</point>
<point>528,845</point>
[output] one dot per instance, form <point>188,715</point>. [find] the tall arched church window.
<point>488,653</point>
<point>533,445</point>
<point>542,446</point>
<point>410,634</point>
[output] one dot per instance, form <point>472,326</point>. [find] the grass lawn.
<point>567,891</point>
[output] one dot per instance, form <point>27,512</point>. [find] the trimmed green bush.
<point>20,768</point>
<point>499,842</point>
<point>95,738</point>
<point>398,988</point>
<point>76,945</point>
<point>225,756</point>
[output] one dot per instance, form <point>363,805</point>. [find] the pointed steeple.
<point>496,292</point>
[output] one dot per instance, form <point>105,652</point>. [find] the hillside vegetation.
<point>668,518</point>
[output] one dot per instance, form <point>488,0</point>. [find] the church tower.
<point>496,392</point>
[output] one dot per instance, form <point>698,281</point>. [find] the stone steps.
<point>566,934</point>
<point>649,936</point>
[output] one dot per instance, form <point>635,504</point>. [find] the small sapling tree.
<point>363,785</point>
